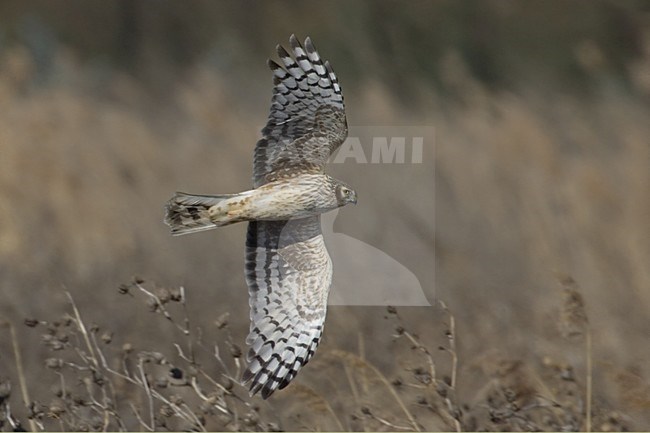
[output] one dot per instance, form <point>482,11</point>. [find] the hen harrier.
<point>288,269</point>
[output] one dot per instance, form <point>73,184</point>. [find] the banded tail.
<point>188,213</point>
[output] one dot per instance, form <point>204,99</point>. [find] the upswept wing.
<point>289,272</point>
<point>307,120</point>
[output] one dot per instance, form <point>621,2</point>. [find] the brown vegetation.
<point>528,218</point>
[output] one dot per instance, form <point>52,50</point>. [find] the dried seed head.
<point>108,403</point>
<point>51,329</point>
<point>5,390</point>
<point>214,397</point>
<point>224,418</point>
<point>175,295</point>
<point>251,418</point>
<point>98,378</point>
<point>206,407</point>
<point>56,345</point>
<point>163,294</point>
<point>31,322</point>
<point>222,320</point>
<point>422,375</point>
<point>513,406</point>
<point>176,399</point>
<point>566,373</point>
<point>107,337</point>
<point>96,423</point>
<point>455,412</point>
<point>54,363</point>
<point>138,280</point>
<point>442,389</point>
<point>34,410</point>
<point>152,305</point>
<point>166,411</point>
<point>235,351</point>
<point>510,394</point>
<point>227,383</point>
<point>391,310</point>
<point>56,409</point>
<point>573,318</point>
<point>127,348</point>
<point>495,416</point>
<point>67,320</point>
<point>155,357</point>
<point>123,289</point>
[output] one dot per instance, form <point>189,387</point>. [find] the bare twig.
<point>147,391</point>
<point>386,422</point>
<point>98,361</point>
<point>589,378</point>
<point>162,308</point>
<point>346,356</point>
<point>82,329</point>
<point>451,337</point>
<point>137,415</point>
<point>205,398</point>
<point>19,369</point>
<point>355,391</point>
<point>419,346</point>
<point>362,355</point>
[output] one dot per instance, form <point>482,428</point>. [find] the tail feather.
<point>189,213</point>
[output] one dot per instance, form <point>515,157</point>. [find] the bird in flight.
<point>288,270</point>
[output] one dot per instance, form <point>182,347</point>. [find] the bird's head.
<point>345,194</point>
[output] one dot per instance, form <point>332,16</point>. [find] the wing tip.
<point>265,388</point>
<point>311,49</point>
<point>282,52</point>
<point>293,40</point>
<point>273,64</point>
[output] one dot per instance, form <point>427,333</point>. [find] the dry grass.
<point>101,383</point>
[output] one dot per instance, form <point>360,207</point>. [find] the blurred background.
<point>540,169</point>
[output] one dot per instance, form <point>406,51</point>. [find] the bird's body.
<point>288,270</point>
<point>303,195</point>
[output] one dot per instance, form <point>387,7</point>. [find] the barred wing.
<point>288,272</point>
<point>307,120</point>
